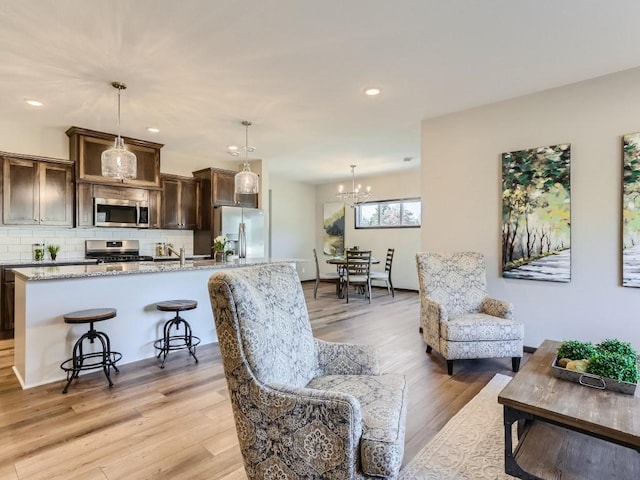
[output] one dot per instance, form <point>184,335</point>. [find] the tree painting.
<point>631,210</point>
<point>536,214</point>
<point>333,236</point>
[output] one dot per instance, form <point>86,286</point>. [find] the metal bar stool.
<point>179,341</point>
<point>104,359</point>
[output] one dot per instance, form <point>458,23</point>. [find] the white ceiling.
<point>296,68</point>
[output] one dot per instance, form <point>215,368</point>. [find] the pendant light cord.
<point>119,90</point>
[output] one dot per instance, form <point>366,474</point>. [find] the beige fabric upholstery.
<point>303,408</point>
<point>457,318</point>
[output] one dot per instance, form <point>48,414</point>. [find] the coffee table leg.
<point>511,415</point>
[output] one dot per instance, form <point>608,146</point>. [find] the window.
<point>389,214</point>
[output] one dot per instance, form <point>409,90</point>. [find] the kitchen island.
<point>44,294</point>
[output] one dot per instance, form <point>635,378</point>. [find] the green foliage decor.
<point>611,358</point>
<point>614,365</point>
<point>575,350</point>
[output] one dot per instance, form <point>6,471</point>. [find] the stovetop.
<point>122,258</point>
<point>112,251</point>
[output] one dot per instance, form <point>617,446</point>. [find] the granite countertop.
<point>53,272</point>
<point>47,262</point>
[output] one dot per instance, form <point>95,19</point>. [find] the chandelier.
<point>246,182</point>
<point>356,195</point>
<point>117,161</point>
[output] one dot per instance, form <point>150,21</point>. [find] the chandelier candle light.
<point>356,195</point>
<point>117,161</point>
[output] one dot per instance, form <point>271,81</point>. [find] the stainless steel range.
<point>110,251</point>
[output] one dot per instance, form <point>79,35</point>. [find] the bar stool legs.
<point>178,341</point>
<point>79,361</point>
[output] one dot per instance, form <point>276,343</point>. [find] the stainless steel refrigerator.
<point>226,221</point>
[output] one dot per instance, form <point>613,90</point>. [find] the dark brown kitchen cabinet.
<point>37,191</point>
<point>223,186</point>
<point>86,147</point>
<point>155,209</point>
<point>180,202</point>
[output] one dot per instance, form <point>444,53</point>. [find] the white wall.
<point>293,223</point>
<point>406,241</point>
<point>461,177</point>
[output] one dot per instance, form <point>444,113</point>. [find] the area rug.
<point>471,444</point>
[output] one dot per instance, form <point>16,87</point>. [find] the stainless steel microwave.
<point>112,212</point>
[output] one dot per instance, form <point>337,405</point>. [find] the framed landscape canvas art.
<point>536,213</point>
<point>631,210</point>
<point>333,226</point>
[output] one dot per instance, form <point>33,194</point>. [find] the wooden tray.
<point>593,381</point>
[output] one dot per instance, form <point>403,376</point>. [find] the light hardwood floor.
<point>177,424</point>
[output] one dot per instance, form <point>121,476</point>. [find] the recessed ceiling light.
<point>232,148</point>
<point>34,103</point>
<point>372,91</point>
<point>153,129</point>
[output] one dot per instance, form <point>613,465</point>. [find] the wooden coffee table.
<point>567,430</point>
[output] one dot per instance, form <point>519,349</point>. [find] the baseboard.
<point>380,287</point>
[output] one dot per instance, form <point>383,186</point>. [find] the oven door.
<point>109,212</point>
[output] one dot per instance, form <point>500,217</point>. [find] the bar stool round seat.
<point>179,341</point>
<point>104,358</point>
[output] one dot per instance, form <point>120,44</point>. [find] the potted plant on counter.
<point>219,246</point>
<point>53,251</point>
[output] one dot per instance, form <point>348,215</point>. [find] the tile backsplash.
<point>16,242</point>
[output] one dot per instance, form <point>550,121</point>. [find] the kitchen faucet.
<point>180,254</point>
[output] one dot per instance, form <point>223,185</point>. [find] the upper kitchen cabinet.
<point>218,187</point>
<point>86,147</point>
<point>37,191</point>
<point>180,202</point>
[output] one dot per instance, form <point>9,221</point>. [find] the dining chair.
<point>386,275</point>
<point>332,277</point>
<point>358,271</point>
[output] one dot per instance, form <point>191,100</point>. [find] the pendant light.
<point>356,195</point>
<point>246,182</point>
<point>117,161</point>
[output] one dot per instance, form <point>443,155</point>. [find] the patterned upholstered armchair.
<point>303,408</point>
<point>457,318</point>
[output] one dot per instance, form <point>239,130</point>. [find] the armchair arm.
<point>431,314</point>
<point>497,308</point>
<point>346,359</point>
<point>431,311</point>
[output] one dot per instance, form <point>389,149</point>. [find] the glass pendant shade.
<point>117,161</point>
<point>246,182</point>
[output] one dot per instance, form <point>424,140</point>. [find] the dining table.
<point>340,261</point>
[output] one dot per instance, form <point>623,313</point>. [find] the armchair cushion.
<point>478,327</point>
<point>383,402</point>
<point>497,308</point>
